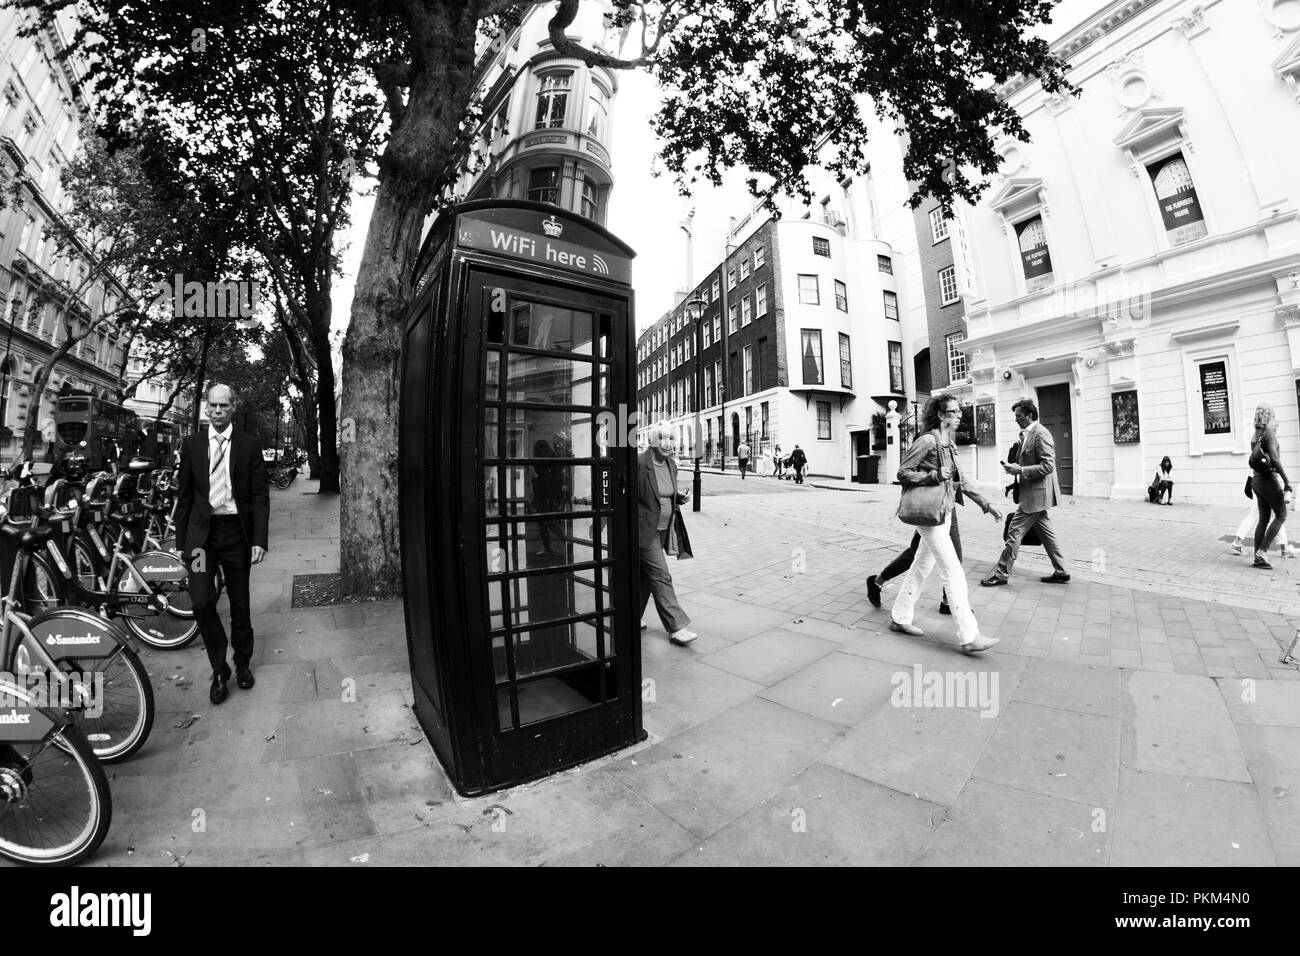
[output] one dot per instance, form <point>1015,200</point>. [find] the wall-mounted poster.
<point>1179,208</point>
<point>1214,398</point>
<point>1124,417</point>
<point>1034,257</point>
<point>985,432</point>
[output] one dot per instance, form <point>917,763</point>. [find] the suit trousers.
<point>227,547</point>
<point>657,581</point>
<point>1021,522</point>
<point>936,548</point>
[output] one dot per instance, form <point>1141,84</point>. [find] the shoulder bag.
<point>927,506</point>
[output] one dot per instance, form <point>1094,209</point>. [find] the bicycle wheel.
<point>166,631</point>
<point>55,805</point>
<point>124,703</point>
<point>42,587</point>
<point>83,564</point>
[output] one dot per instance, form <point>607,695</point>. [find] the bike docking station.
<point>518,495</point>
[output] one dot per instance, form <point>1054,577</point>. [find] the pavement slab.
<point>1181,726</point>
<point>1174,820</point>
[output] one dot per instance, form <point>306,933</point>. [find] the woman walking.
<point>930,461</point>
<point>660,529</point>
<point>1270,484</point>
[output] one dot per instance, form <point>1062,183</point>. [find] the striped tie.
<point>219,482</point>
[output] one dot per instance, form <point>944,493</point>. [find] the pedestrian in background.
<point>798,461</point>
<point>1269,482</point>
<point>930,462</point>
<point>1039,491</point>
<point>1246,529</point>
<point>1161,485</point>
<point>776,461</point>
<point>742,454</point>
<point>660,530</point>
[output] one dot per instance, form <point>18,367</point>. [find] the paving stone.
<point>1181,726</point>
<point>839,687</point>
<point>1172,820</point>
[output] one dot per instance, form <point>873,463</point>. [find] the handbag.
<point>1031,538</point>
<point>1258,459</point>
<point>1250,492</point>
<point>926,506</point>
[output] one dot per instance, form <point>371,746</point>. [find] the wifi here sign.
<point>544,249</point>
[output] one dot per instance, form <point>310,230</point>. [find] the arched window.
<point>590,199</point>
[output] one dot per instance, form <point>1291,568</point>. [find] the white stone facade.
<point>1167,197</point>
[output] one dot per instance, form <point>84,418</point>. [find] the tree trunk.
<point>327,410</point>
<point>307,388</point>
<point>421,146</point>
<point>33,426</point>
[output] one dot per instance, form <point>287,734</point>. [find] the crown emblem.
<point>552,226</point>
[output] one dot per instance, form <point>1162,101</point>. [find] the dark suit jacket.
<point>247,480</point>
<point>647,518</point>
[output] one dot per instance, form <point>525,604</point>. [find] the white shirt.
<point>221,505</point>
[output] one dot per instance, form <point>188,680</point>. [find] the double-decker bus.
<point>109,431</point>
<point>160,443</point>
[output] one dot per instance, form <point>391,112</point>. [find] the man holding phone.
<point>1039,491</point>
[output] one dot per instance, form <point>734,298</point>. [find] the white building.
<point>1139,260</point>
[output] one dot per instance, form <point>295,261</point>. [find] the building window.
<point>1212,380</point>
<point>885,264</point>
<point>758,257</point>
<point>1035,257</point>
<point>544,184</point>
<point>708,328</point>
<point>708,385</point>
<point>821,247</point>
<point>811,348</point>
<point>896,367</point>
<point>553,100</point>
<point>731,279</point>
<point>846,362</point>
<point>598,111</point>
<point>938,224</point>
<point>891,305</point>
<point>748,354</point>
<point>841,296</point>
<point>956,358</point>
<point>716,290</point>
<point>717,328</point>
<point>809,292</point>
<point>746,311</point>
<point>762,422</point>
<point>1180,209</point>
<point>760,302</point>
<point>590,203</point>
<point>824,421</point>
<point>749,424</point>
<point>744,269</point>
<point>731,318</point>
<point>948,285</point>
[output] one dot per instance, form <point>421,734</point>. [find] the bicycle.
<point>55,803</point>
<point>61,646</point>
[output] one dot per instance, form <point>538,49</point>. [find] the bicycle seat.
<point>30,538</point>
<point>159,509</point>
<point>128,519</point>
<point>140,466</point>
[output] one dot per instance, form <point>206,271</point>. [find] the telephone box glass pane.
<point>540,544</point>
<point>549,433</point>
<point>492,381</point>
<point>537,325</point>
<point>548,380</point>
<point>551,696</point>
<point>491,434</point>
<point>562,488</point>
<point>547,597</point>
<point>559,645</point>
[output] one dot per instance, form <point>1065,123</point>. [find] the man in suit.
<point>222,514</point>
<point>1035,467</point>
<point>657,501</point>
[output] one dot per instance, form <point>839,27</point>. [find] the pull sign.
<point>606,483</point>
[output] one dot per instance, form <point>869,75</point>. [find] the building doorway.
<point>1054,413</point>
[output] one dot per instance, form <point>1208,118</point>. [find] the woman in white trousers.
<point>928,461</point>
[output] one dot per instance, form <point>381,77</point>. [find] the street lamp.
<point>694,312</point>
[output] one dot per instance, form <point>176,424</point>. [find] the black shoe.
<point>1056,577</point>
<point>873,591</point>
<point>944,609</point>
<point>219,691</point>
<point>994,580</point>
<point>244,677</point>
